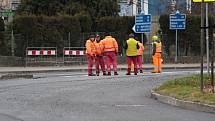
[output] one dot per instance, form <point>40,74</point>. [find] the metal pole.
<point>69,39</point>
<point>142,11</point>
<point>12,43</point>
<point>212,62</point>
<point>202,42</point>
<point>207,40</point>
<point>176,46</point>
<point>142,41</point>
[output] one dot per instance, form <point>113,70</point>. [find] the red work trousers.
<point>132,59</point>
<point>139,62</point>
<point>111,58</point>
<point>100,62</point>
<point>90,60</point>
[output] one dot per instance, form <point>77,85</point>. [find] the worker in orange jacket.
<point>140,56</point>
<point>110,48</point>
<point>99,56</point>
<point>157,51</point>
<point>90,54</point>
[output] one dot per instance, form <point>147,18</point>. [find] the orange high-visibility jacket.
<point>98,48</point>
<point>141,49</point>
<point>109,44</point>
<point>90,48</point>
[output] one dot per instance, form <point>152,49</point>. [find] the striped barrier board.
<point>41,52</point>
<point>74,52</point>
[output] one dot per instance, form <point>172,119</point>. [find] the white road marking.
<point>129,105</point>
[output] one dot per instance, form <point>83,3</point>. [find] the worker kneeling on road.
<point>90,54</point>
<point>99,56</point>
<point>110,48</point>
<point>157,51</point>
<point>132,48</point>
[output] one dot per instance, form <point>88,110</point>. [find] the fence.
<point>41,55</point>
<point>74,55</point>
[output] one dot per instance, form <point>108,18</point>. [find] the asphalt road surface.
<point>77,97</point>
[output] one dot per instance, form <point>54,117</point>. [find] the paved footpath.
<point>84,68</point>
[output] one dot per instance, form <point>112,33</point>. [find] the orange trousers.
<point>157,60</point>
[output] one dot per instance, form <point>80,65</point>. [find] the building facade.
<point>9,4</point>
<point>153,7</point>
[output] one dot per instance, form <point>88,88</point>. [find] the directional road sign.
<point>196,1</point>
<point>177,21</point>
<point>7,13</point>
<point>142,24</point>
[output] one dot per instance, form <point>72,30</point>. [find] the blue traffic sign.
<point>177,21</point>
<point>142,24</point>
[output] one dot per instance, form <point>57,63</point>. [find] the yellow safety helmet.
<point>154,38</point>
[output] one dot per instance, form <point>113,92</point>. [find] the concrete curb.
<point>85,70</point>
<point>183,104</point>
<point>15,76</point>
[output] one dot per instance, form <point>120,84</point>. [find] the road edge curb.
<point>15,76</point>
<point>85,70</point>
<point>183,104</point>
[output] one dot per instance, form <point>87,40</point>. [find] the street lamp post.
<point>202,42</point>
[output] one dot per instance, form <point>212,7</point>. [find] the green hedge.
<point>43,31</point>
<point>188,39</point>
<point>1,34</point>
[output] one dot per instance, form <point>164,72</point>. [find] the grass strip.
<point>187,88</point>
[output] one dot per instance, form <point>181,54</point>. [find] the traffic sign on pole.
<point>177,21</point>
<point>198,1</point>
<point>142,24</point>
<point>7,13</point>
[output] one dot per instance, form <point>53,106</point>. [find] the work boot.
<point>128,71</point>
<point>97,73</point>
<point>135,71</point>
<point>159,71</point>
<point>141,71</point>
<point>154,71</point>
<point>91,75</point>
<point>115,73</point>
<point>109,74</point>
<point>104,73</point>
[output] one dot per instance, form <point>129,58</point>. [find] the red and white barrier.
<point>41,52</point>
<point>41,55</point>
<point>74,55</point>
<point>74,52</point>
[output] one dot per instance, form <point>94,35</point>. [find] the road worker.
<point>132,48</point>
<point>156,57</point>
<point>90,53</point>
<point>110,48</point>
<point>140,56</point>
<point>99,56</point>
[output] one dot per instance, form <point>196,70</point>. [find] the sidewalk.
<point>82,68</point>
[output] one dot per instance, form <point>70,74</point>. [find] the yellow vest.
<point>132,47</point>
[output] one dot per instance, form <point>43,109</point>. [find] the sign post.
<point>198,1</point>
<point>177,22</point>
<point>7,13</point>
<point>142,24</point>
